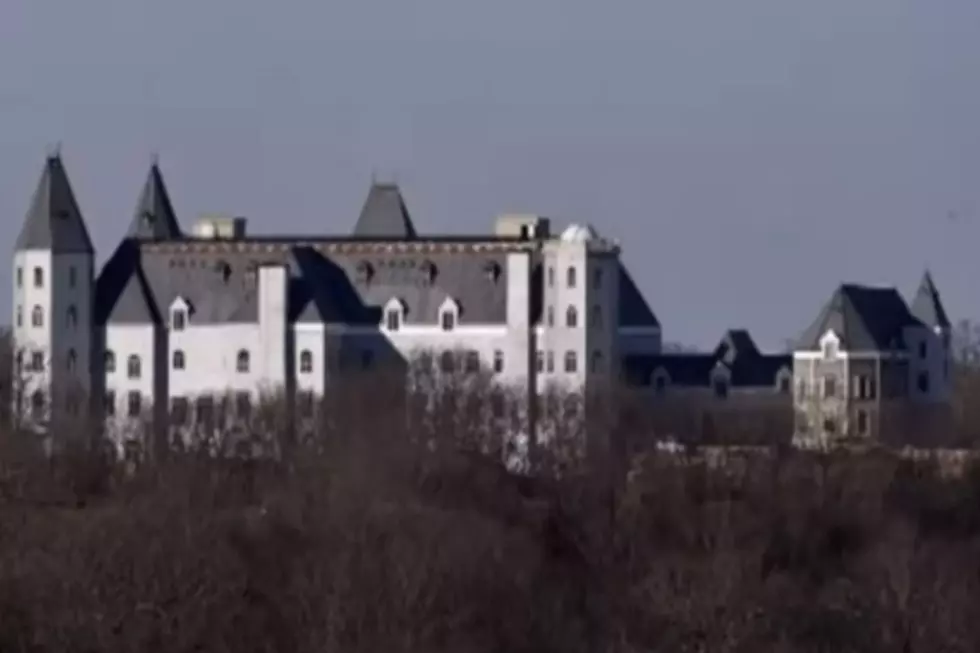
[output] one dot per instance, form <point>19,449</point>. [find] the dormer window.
<point>719,382</point>
<point>179,314</point>
<point>830,346</point>
<point>394,314</point>
<point>448,314</point>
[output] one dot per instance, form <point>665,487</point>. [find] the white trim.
<point>418,330</point>
<point>808,355</point>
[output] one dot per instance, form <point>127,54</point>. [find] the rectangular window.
<point>178,411</point>
<point>38,277</point>
<point>448,320</point>
<point>862,422</point>
<point>472,361</point>
<point>498,361</point>
<point>393,320</point>
<point>571,277</point>
<point>20,277</point>
<point>550,362</point>
<point>37,361</point>
<point>20,315</point>
<point>539,360</point>
<point>205,412</point>
<point>571,362</point>
<point>134,404</point>
<point>109,403</point>
<point>829,386</point>
<point>551,277</point>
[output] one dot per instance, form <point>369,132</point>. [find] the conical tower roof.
<point>54,221</point>
<point>154,217</point>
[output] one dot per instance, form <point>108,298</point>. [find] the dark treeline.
<point>393,526</point>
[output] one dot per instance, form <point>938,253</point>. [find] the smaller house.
<point>735,393</point>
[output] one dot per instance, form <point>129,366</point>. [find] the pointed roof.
<point>384,215</point>
<point>736,344</point>
<point>864,318</point>
<point>927,306</point>
<point>134,305</point>
<point>54,221</point>
<point>154,217</point>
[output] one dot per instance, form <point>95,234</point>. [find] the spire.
<point>384,214</point>
<point>927,307</point>
<point>154,217</point>
<point>54,221</point>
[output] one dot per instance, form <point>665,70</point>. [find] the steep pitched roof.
<point>384,215</point>
<point>736,344</point>
<point>634,311</point>
<point>54,221</point>
<point>154,217</point>
<point>864,318</point>
<point>927,306</point>
<point>134,305</point>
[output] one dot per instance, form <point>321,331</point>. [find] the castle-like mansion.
<point>174,317</point>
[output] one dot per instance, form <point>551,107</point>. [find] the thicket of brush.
<point>395,528</point>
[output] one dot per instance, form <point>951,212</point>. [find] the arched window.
<point>571,317</point>
<point>39,281</point>
<point>37,404</point>
<point>571,362</point>
<point>178,362</point>
<point>71,360</point>
<point>597,316</point>
<point>242,361</point>
<point>37,316</point>
<point>571,277</point>
<point>109,360</point>
<point>133,367</point>
<point>72,317</point>
<point>306,361</point>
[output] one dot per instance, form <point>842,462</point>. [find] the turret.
<point>53,300</point>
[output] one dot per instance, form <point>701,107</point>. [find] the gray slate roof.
<point>927,306</point>
<point>634,311</point>
<point>736,353</point>
<point>864,318</point>
<point>384,215</point>
<point>54,220</point>
<point>154,217</point>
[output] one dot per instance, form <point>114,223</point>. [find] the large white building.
<point>174,318</point>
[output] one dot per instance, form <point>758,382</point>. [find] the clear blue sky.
<point>750,155</point>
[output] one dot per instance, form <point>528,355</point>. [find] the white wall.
<point>125,340</point>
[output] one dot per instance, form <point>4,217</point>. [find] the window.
<point>178,320</point>
<point>720,384</point>
<point>551,316</point>
<point>830,349</point>
<point>205,412</point>
<point>539,360</point>
<point>830,425</point>
<point>71,360</point>
<point>571,277</point>
<point>20,362</point>
<point>109,360</point>
<point>37,404</point>
<point>178,362</point>
<point>38,277</point>
<point>393,319</point>
<point>243,405</point>
<point>20,315</point>
<point>472,361</point>
<point>448,320</point>
<point>242,361</point>
<point>109,403</point>
<point>134,404</point>
<point>596,361</point>
<point>597,278</point>
<point>72,277</point>
<point>72,318</point>
<point>571,317</point>
<point>133,367</point>
<point>447,362</point>
<point>178,411</point>
<point>306,361</point>
<point>923,382</point>
<point>784,384</point>
<point>20,277</point>
<point>550,361</point>
<point>571,362</point>
<point>498,361</point>
<point>830,386</point>
<point>597,316</point>
<point>37,361</point>
<point>862,422</point>
<point>870,388</point>
<point>551,277</point>
<point>37,316</point>
<point>922,349</point>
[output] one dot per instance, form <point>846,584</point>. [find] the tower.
<point>933,359</point>
<point>53,300</point>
